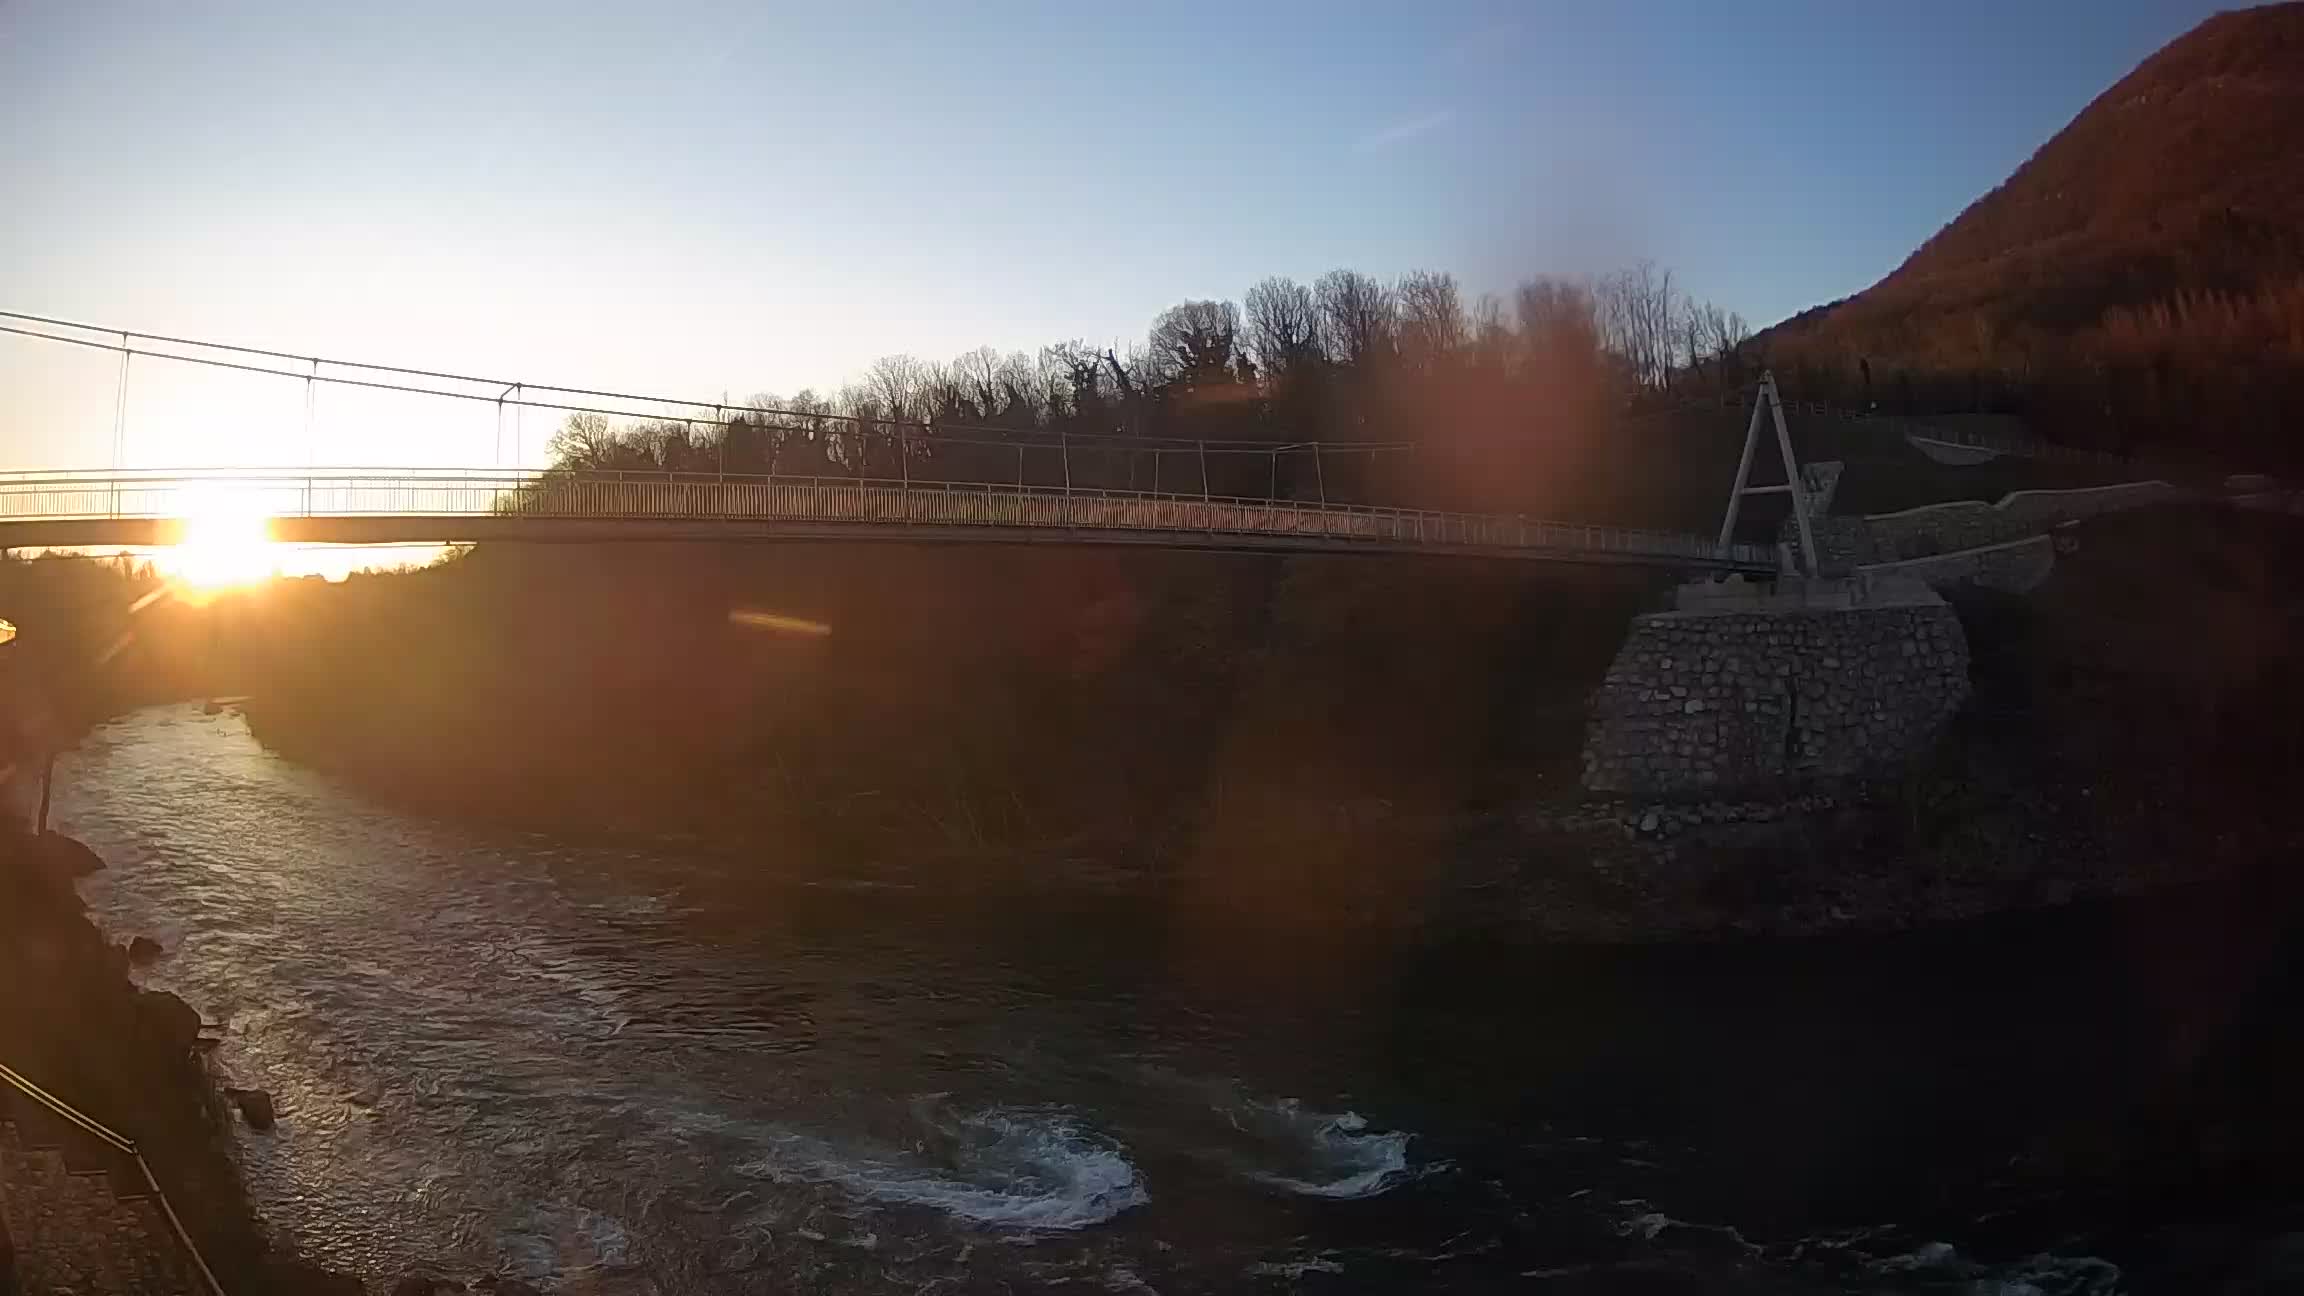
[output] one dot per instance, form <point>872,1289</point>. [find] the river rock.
<point>256,1108</point>
<point>143,950</point>
<point>68,856</point>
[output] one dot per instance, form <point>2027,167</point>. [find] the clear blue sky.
<point>762,196</point>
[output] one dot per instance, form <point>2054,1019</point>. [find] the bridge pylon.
<point>1766,406</point>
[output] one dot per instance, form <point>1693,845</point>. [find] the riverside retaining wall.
<point>1850,542</point>
<point>1755,692</point>
<point>2014,567</point>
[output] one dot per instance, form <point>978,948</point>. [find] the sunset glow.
<point>227,544</point>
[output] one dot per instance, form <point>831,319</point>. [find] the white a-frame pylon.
<point>1765,405</point>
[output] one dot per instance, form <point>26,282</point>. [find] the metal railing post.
<point>311,444</point>
<point>120,420</point>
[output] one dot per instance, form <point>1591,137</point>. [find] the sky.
<point>761,197</point>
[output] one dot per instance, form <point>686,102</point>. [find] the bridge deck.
<point>414,506</point>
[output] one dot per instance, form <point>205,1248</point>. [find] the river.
<point>667,1068</point>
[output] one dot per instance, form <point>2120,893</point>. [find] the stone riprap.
<point>1708,703</point>
<point>2016,567</point>
<point>1822,481</point>
<point>1848,542</point>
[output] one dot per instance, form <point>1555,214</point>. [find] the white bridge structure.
<point>1054,505</point>
<point>403,506</point>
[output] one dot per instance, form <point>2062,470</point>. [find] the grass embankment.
<point>958,699</point>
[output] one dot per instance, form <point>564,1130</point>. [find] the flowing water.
<point>673,1069</point>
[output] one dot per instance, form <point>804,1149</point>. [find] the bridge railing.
<point>830,500</point>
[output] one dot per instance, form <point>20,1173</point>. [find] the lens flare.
<point>777,623</point>
<point>226,544</point>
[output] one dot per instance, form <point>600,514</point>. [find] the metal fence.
<point>864,502</point>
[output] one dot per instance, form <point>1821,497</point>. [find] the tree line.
<point>1417,392</point>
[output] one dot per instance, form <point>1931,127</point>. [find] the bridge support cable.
<point>311,437</point>
<point>478,388</point>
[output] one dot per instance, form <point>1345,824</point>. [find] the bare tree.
<point>1026,394</point>
<point>900,389</point>
<point>1711,340</point>
<point>1433,326</point>
<point>1074,372</point>
<point>665,442</point>
<point>898,385</point>
<point>1691,328</point>
<point>1491,337</point>
<point>1283,327</point>
<point>1637,320</point>
<point>805,432</point>
<point>1728,334</point>
<point>977,379</point>
<point>1196,342</point>
<point>585,441</point>
<point>1358,317</point>
<point>1558,318</point>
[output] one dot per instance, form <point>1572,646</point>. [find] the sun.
<point>226,544</point>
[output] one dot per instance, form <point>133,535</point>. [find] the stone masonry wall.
<point>70,1234</point>
<point>1848,542</point>
<point>1709,703</point>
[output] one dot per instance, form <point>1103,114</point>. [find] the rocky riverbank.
<point>1866,857</point>
<point>128,1057</point>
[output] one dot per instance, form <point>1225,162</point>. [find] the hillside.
<point>2139,281</point>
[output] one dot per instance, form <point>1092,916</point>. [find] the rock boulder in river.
<point>143,950</point>
<point>68,857</point>
<point>255,1107</point>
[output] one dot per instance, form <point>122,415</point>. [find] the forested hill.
<point>2140,279</point>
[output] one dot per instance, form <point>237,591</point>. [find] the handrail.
<point>120,1143</point>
